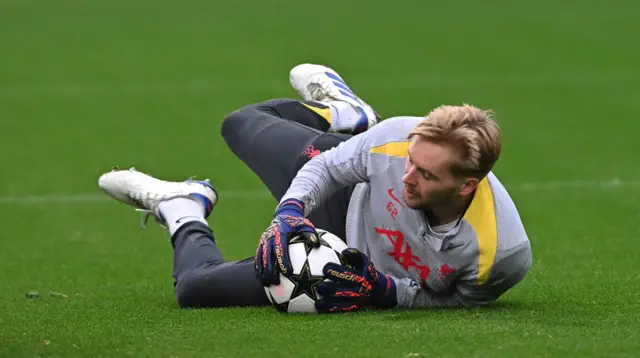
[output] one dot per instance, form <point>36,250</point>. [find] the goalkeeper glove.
<point>356,286</point>
<point>272,255</point>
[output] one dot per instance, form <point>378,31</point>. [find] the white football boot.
<point>322,84</point>
<point>145,192</point>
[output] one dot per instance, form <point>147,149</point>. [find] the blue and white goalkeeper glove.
<point>272,255</point>
<point>356,286</point>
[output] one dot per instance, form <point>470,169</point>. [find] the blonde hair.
<point>473,132</point>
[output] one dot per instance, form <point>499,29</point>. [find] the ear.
<point>469,186</point>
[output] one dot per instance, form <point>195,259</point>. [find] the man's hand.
<point>356,286</point>
<point>272,255</point>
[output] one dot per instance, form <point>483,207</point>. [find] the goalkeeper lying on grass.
<point>415,196</point>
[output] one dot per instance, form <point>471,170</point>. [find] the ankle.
<point>179,211</point>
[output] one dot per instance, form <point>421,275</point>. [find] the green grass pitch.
<point>85,85</point>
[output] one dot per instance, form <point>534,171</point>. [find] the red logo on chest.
<point>403,254</point>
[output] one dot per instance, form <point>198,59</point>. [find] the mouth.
<point>409,192</point>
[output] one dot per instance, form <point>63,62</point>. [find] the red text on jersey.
<point>403,254</point>
<point>391,207</point>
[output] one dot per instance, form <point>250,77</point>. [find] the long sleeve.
<point>506,273</point>
<point>344,165</point>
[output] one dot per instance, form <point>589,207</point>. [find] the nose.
<point>409,175</point>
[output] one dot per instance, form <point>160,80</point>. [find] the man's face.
<point>428,182</point>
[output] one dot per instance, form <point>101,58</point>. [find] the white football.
<point>297,294</point>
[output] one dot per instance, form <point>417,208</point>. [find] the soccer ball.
<point>297,294</point>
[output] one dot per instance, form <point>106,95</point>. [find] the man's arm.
<point>343,165</point>
<point>506,273</point>
<point>349,163</point>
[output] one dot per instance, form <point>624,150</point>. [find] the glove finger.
<point>355,258</point>
<point>345,276</point>
<point>303,225</point>
<point>336,306</point>
<point>348,294</point>
<point>278,257</point>
<point>341,273</point>
<point>272,275</point>
<point>331,289</point>
<point>258,263</point>
<point>326,306</point>
<point>326,288</point>
<point>284,262</point>
<point>310,237</point>
<point>262,255</point>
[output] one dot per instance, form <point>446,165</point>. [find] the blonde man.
<point>415,195</point>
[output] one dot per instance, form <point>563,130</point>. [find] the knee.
<point>233,122</point>
<point>243,118</point>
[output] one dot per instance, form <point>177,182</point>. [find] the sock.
<point>341,116</point>
<point>344,117</point>
<point>179,211</point>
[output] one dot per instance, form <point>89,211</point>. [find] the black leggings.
<point>275,139</point>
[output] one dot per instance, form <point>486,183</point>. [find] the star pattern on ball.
<point>305,283</point>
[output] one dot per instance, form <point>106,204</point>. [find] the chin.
<point>413,204</point>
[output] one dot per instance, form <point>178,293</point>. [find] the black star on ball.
<point>305,283</point>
